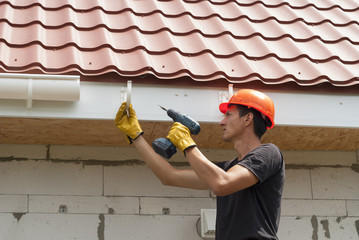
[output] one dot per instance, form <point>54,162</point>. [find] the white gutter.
<point>102,100</point>
<point>31,87</point>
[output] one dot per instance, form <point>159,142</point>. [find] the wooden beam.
<point>104,132</point>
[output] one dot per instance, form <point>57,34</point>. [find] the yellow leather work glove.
<point>180,136</point>
<point>128,124</point>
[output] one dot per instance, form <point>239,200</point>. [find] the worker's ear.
<point>248,118</point>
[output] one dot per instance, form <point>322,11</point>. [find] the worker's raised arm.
<point>167,174</point>
<point>218,181</point>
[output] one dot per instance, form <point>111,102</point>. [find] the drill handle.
<point>192,124</point>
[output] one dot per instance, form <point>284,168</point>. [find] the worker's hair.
<point>259,125</point>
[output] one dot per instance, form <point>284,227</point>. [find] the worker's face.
<point>232,124</point>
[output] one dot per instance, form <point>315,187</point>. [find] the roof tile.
<point>308,42</point>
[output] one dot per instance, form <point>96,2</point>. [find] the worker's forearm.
<point>207,171</point>
<point>167,174</point>
<point>159,166</point>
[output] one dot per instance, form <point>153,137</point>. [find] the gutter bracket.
<point>126,94</point>
<point>29,94</point>
<point>224,96</point>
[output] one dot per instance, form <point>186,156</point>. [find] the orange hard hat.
<point>253,99</point>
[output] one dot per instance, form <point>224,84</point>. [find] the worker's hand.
<point>180,136</point>
<point>128,124</point>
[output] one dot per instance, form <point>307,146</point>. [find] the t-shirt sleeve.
<point>263,162</point>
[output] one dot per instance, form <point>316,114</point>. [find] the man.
<point>248,188</point>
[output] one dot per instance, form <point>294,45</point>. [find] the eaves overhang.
<point>304,121</point>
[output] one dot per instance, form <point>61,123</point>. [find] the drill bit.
<point>162,108</point>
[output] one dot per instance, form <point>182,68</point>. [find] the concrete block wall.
<point>321,196</point>
<point>105,193</point>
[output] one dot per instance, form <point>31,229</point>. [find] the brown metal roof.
<point>308,42</point>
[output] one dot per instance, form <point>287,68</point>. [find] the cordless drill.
<point>165,147</point>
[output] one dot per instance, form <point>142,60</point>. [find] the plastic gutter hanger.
<point>126,95</point>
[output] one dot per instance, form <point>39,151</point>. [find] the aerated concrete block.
<point>151,227</point>
<point>353,208</point>
<point>297,184</point>
<point>138,180</point>
<point>49,178</point>
<point>84,204</point>
<point>301,207</point>
<point>13,203</point>
<point>335,183</point>
<point>316,228</point>
<point>50,226</point>
<point>175,206</point>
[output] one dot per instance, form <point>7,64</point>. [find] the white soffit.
<point>102,100</point>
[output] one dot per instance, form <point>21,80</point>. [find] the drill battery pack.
<point>164,147</point>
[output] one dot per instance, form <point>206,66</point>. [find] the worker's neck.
<point>243,147</point>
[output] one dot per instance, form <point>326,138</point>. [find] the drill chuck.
<point>185,120</point>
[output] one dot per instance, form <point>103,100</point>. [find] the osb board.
<point>100,132</point>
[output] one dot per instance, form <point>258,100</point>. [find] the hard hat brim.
<point>223,107</point>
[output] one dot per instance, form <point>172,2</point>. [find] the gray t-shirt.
<point>253,213</point>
